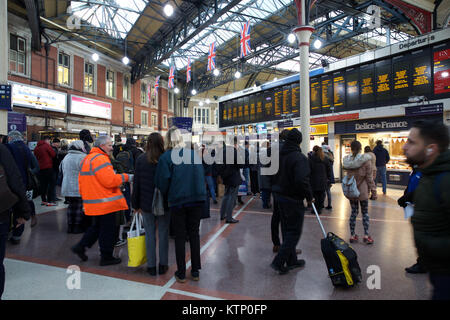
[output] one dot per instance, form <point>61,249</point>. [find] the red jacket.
<point>44,154</point>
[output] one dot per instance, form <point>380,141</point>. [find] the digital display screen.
<point>352,82</point>
<point>367,84</point>
<point>259,106</point>
<point>268,106</point>
<point>240,110</point>
<point>338,91</point>
<point>327,93</point>
<point>401,78</point>
<point>252,104</point>
<point>246,109</point>
<point>383,78</point>
<point>421,73</point>
<point>441,61</point>
<point>295,98</point>
<point>278,101</point>
<point>235,111</point>
<point>286,99</point>
<point>315,96</point>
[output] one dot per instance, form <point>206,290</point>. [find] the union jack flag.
<point>245,39</point>
<point>156,85</point>
<point>149,93</point>
<point>212,57</point>
<point>188,71</point>
<point>171,77</point>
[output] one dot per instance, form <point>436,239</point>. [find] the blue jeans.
<point>381,173</point>
<point>4,230</point>
<point>265,196</point>
<point>228,202</point>
<point>150,222</point>
<point>210,182</point>
<point>246,173</point>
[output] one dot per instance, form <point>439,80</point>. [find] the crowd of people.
<point>106,183</point>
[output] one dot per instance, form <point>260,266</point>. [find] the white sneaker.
<point>120,243</point>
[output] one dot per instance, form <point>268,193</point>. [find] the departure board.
<point>259,107</point>
<point>383,78</point>
<point>315,96</point>
<point>269,105</point>
<point>252,103</point>
<point>230,114</point>
<point>235,111</point>
<point>246,110</point>
<point>338,91</point>
<point>240,110</point>
<point>327,93</point>
<point>287,99</point>
<point>421,73</point>
<point>295,98</point>
<point>278,101</point>
<point>352,92</point>
<point>367,84</point>
<point>441,61</point>
<point>400,67</point>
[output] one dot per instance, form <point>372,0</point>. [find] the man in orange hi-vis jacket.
<point>102,198</point>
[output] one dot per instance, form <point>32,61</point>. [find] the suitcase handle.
<point>318,219</point>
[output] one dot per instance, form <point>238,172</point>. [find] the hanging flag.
<point>171,78</point>
<point>245,40</point>
<point>156,85</point>
<point>212,57</point>
<point>188,71</point>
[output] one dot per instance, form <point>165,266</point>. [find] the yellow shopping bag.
<point>136,243</point>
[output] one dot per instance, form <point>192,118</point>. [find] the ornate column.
<point>303,32</point>
<point>4,60</point>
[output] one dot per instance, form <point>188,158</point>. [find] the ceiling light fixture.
<point>216,72</point>
<point>125,60</point>
<point>168,10</point>
<point>194,92</point>
<point>317,44</point>
<point>176,90</point>
<point>95,57</point>
<point>237,75</point>
<point>291,38</point>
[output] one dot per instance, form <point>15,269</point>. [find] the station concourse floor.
<point>235,260</point>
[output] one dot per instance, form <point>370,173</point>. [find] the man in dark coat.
<point>427,147</point>
<point>290,188</point>
<point>231,178</point>
<point>21,207</point>
<point>382,159</point>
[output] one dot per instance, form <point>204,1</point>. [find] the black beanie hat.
<point>85,135</point>
<point>294,136</point>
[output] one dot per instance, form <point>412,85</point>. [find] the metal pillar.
<point>3,60</point>
<point>303,33</point>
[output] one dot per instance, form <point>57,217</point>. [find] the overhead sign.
<point>5,97</point>
<point>436,108</point>
<point>182,123</point>
<point>17,121</point>
<point>38,98</point>
<point>89,107</point>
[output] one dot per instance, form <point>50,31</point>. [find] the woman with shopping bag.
<point>142,201</point>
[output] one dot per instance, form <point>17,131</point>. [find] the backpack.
<point>349,187</point>
<point>126,159</point>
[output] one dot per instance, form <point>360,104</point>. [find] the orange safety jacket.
<point>99,185</point>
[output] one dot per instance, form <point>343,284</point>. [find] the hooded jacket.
<point>431,219</point>
<point>292,179</point>
<point>70,167</point>
<point>44,154</point>
<point>320,173</point>
<point>382,156</point>
<point>360,167</point>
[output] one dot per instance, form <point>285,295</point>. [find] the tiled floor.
<point>235,260</point>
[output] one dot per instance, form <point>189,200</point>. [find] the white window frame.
<point>113,85</point>
<point>27,37</point>
<point>124,114</point>
<point>185,112</point>
<point>145,95</point>
<point>70,69</point>
<point>17,52</point>
<point>164,121</point>
<point>156,122</point>
<point>94,76</point>
<point>216,116</point>
<point>146,116</point>
<point>129,87</point>
<point>171,101</point>
<point>202,115</point>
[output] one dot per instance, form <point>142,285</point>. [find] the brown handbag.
<point>9,199</point>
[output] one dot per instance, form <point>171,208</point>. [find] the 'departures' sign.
<point>89,107</point>
<point>38,98</point>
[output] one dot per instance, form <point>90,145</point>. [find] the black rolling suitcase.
<point>340,258</point>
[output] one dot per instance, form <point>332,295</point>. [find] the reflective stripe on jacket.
<point>99,185</point>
